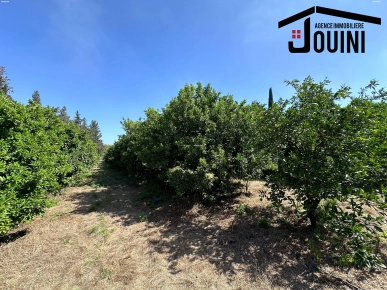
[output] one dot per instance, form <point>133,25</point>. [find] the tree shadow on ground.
<point>217,234</point>
<point>110,192</point>
<point>12,236</point>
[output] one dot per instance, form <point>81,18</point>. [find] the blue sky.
<point>114,59</point>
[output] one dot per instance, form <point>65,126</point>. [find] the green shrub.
<point>333,154</point>
<point>198,134</point>
<point>38,154</point>
<point>185,181</point>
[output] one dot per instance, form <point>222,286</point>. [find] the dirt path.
<point>104,236</point>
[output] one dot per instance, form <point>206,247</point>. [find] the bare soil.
<point>104,235</point>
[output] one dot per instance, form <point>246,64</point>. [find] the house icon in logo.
<point>319,35</point>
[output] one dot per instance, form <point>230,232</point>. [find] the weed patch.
<point>244,209</point>
<point>264,222</point>
<point>143,217</point>
<point>107,273</point>
<point>101,229</point>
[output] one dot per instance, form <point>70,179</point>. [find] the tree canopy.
<point>327,160</point>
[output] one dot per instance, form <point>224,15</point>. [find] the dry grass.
<point>93,239</point>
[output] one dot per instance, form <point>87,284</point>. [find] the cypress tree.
<point>270,98</point>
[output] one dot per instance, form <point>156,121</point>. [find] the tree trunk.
<point>312,205</point>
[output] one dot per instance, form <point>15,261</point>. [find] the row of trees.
<point>39,154</point>
<point>92,129</point>
<point>332,158</point>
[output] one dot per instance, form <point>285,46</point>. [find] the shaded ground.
<point>105,235</point>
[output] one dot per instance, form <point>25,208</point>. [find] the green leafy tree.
<point>36,97</point>
<point>270,98</point>
<point>106,147</point>
<point>56,110</point>
<point>199,143</point>
<point>38,154</point>
<point>333,160</point>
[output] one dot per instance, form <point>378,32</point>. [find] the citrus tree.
<point>38,154</point>
<point>332,163</point>
<point>199,143</point>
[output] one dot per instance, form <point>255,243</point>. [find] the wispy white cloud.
<point>75,25</point>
